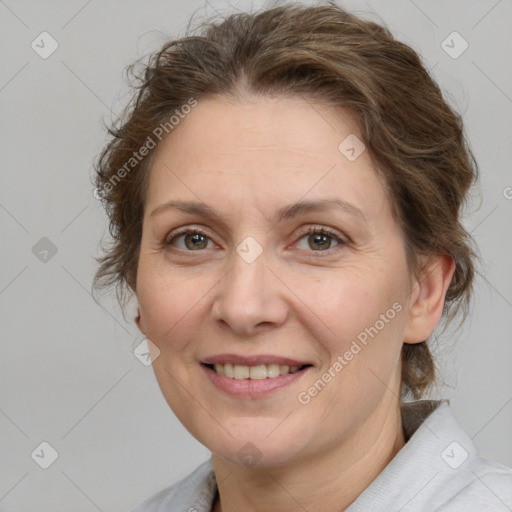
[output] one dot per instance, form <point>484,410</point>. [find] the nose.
<point>249,298</point>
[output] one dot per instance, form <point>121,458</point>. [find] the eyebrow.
<point>285,213</point>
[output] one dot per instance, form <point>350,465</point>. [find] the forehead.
<point>265,150</point>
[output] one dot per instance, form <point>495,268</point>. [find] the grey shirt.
<point>438,469</point>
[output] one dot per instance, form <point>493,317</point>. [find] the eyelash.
<point>310,231</point>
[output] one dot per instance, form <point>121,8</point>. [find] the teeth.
<point>241,372</point>
<point>259,372</point>
<point>228,370</point>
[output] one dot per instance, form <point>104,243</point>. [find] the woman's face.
<point>255,283</point>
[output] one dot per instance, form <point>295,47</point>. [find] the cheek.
<point>358,321</point>
<point>169,305</point>
<point>350,299</point>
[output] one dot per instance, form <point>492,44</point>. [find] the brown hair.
<point>414,137</point>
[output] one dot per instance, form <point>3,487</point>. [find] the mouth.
<point>254,372</point>
<point>260,377</point>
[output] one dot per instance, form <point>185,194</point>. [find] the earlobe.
<point>428,297</point>
<point>138,321</point>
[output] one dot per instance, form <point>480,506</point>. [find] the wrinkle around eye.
<point>187,233</point>
<point>171,241</point>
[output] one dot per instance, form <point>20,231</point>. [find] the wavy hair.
<point>414,137</point>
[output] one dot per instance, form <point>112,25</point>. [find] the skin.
<point>246,159</point>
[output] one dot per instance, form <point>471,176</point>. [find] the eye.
<point>320,239</point>
<point>193,239</point>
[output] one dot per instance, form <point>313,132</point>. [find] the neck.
<point>327,481</point>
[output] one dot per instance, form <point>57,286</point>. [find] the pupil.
<point>196,238</point>
<point>320,239</point>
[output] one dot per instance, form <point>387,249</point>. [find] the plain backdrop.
<point>68,374</point>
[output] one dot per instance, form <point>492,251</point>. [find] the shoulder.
<point>438,470</point>
<point>486,486</point>
<point>462,479</point>
<point>195,493</point>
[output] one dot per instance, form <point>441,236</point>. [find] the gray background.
<point>68,375</point>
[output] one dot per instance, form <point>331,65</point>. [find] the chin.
<point>251,455</point>
<point>258,445</point>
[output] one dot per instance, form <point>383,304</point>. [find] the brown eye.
<point>192,240</point>
<point>320,239</point>
<point>195,241</point>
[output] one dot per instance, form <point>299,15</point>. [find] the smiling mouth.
<point>257,372</point>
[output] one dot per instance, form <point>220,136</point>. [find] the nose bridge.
<point>245,283</point>
<point>247,296</point>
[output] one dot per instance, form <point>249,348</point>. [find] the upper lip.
<point>252,360</point>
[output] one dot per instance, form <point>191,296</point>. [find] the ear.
<point>140,322</point>
<point>426,301</point>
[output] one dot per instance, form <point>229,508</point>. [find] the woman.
<point>284,196</point>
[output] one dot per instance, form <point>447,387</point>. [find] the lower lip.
<point>249,388</point>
